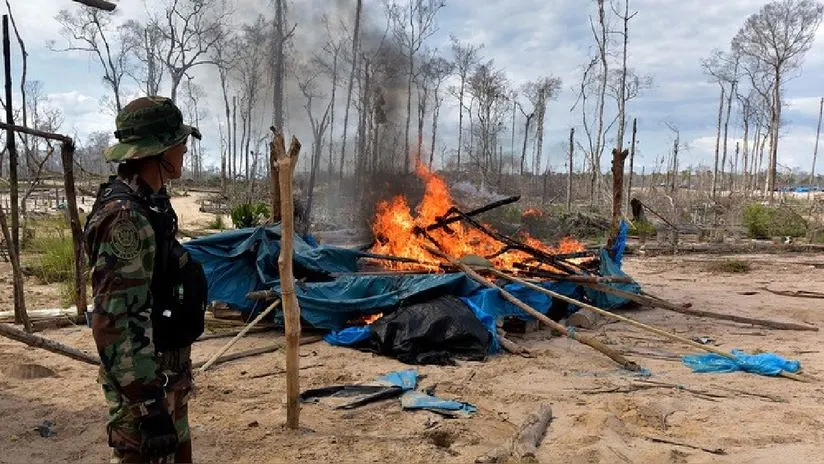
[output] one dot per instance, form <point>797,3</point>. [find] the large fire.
<point>394,229</point>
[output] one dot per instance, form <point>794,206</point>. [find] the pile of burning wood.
<point>407,243</point>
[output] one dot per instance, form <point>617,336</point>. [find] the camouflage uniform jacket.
<point>122,247</point>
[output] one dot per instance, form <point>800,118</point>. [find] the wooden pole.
<point>237,337</point>
<point>586,340</point>
<point>67,156</point>
<point>663,304</point>
<point>13,182</point>
<point>46,344</point>
<point>291,310</point>
<point>627,320</point>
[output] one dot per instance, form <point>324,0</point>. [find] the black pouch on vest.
<point>178,316</point>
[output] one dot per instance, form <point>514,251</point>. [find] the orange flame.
<point>394,224</point>
<point>532,212</point>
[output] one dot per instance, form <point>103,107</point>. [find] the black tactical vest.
<point>179,287</point>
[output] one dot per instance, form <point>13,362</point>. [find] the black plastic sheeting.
<point>438,331</point>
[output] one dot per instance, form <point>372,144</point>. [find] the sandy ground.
<point>236,418</point>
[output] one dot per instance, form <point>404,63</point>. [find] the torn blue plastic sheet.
<point>418,400</point>
<point>408,380</point>
<point>769,364</point>
<point>349,336</point>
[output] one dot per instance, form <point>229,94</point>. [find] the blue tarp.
<point>240,261</point>
<point>769,364</point>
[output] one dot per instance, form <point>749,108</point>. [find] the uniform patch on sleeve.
<point>124,239</point>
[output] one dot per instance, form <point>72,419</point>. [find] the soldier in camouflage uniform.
<point>128,234</point>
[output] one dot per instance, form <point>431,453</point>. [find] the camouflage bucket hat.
<point>147,127</point>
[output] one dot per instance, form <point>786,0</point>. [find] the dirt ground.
<point>237,418</point>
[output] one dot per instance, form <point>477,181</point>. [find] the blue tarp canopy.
<point>240,261</point>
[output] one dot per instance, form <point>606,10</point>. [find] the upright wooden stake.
<point>291,310</point>
<point>19,306</point>
<point>67,156</point>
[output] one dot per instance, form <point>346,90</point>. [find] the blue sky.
<point>525,38</point>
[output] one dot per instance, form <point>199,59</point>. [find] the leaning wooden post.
<point>291,311</point>
<point>67,156</point>
<point>17,274</point>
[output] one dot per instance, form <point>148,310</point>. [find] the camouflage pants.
<point>124,437</point>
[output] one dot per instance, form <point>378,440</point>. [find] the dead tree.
<point>466,58</point>
<point>90,30</point>
<point>355,45</point>
<point>308,86</point>
<point>413,23</point>
<point>190,30</point>
<point>775,40</point>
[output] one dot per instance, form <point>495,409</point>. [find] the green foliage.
<point>730,266</point>
<point>642,228</point>
<point>56,260</point>
<point>771,221</point>
<point>249,215</point>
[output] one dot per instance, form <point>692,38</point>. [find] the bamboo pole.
<point>237,337</point>
<point>291,310</point>
<point>627,320</point>
<point>46,344</point>
<point>586,340</point>
<point>663,304</point>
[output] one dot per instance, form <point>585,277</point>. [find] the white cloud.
<point>527,38</point>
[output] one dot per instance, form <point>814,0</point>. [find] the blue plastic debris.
<point>769,364</point>
<point>406,379</point>
<point>349,336</point>
<point>418,400</point>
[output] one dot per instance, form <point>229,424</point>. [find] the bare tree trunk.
<point>675,145</point>
<point>718,141</point>
<point>602,52</point>
<point>332,116</point>
<point>19,306</point>
<point>815,150</point>
<point>277,102</point>
<point>726,131</point>
<point>436,111</point>
<point>569,177</point>
<point>744,156</point>
<point>358,9</point>
<point>618,159</point>
<point>631,161</point>
<point>460,121</point>
<point>776,128</point>
<point>526,137</point>
<point>234,138</point>
<point>539,131</point>
<point>622,103</point>
<point>734,169</point>
<point>67,156</point>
